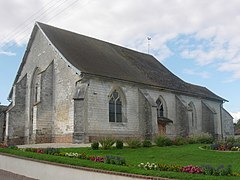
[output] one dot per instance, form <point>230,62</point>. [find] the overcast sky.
<point>198,40</point>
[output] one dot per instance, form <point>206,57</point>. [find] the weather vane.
<point>148,38</point>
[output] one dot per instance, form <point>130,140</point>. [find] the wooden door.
<point>162,128</point>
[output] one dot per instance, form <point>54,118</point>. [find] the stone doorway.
<point>162,123</point>
<point>162,128</point>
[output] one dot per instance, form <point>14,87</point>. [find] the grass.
<point>180,155</point>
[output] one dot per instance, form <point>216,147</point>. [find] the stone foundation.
<point>14,141</point>
<point>43,139</point>
<point>68,138</point>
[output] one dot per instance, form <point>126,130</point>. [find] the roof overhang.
<point>164,120</point>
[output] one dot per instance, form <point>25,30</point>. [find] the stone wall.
<point>44,124</point>
<point>80,108</point>
<point>208,121</point>
<point>53,113</point>
<point>182,122</point>
<point>98,123</point>
<point>15,114</point>
<point>64,84</point>
<point>145,117</point>
<point>227,123</point>
<point>2,122</point>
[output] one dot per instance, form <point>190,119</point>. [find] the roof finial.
<point>148,38</point>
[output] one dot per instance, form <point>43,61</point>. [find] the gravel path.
<point>5,175</point>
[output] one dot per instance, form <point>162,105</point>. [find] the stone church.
<point>73,88</point>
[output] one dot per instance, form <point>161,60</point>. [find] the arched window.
<point>160,109</point>
<point>36,95</point>
<point>115,107</point>
<point>192,114</point>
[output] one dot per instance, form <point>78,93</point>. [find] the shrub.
<point>119,144</point>
<point>237,140</point>
<point>133,142</point>
<point>114,160</point>
<point>95,146</point>
<point>229,142</point>
<point>192,169</point>
<point>13,147</point>
<point>163,141</point>
<point>219,171</point>
<point>31,149</point>
<point>192,139</point>
<point>179,141</point>
<point>205,138</point>
<point>146,143</point>
<point>106,142</point>
<point>214,146</point>
<point>51,151</point>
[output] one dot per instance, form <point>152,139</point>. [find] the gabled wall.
<point>49,119</point>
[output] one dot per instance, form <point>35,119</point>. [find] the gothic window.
<point>36,93</point>
<point>192,112</point>
<point>160,109</point>
<point>36,87</point>
<point>115,107</point>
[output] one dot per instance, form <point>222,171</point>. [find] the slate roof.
<point>101,58</point>
<point>3,108</point>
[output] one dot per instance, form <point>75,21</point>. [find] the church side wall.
<point>173,113</point>
<point>197,102</point>
<point>169,98</point>
<point>98,114</point>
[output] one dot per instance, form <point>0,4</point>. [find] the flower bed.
<point>117,160</point>
<point>223,147</point>
<point>205,169</point>
<point>230,144</point>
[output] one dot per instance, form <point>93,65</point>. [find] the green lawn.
<point>180,155</point>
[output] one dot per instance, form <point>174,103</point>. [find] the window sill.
<point>118,124</point>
